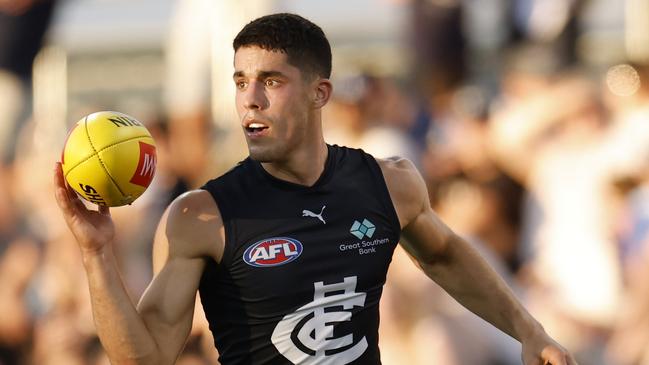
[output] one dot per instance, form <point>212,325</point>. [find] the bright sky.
<point>111,23</point>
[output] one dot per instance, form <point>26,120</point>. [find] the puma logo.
<point>308,213</point>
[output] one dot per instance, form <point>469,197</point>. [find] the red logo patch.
<point>146,166</point>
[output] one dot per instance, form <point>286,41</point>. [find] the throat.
<point>305,171</point>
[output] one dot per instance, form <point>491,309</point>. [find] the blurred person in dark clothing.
<point>23,25</point>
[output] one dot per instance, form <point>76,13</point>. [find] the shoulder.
<point>193,205</point>
<point>241,168</point>
<point>406,187</point>
<point>193,225</point>
<point>398,165</point>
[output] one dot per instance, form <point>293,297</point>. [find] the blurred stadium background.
<point>529,120</point>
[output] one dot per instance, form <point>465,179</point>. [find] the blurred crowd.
<point>535,153</point>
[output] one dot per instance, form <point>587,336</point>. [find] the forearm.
<point>467,277</point>
<point>120,328</point>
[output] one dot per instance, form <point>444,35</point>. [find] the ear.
<point>323,90</point>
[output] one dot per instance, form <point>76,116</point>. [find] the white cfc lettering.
<point>316,334</point>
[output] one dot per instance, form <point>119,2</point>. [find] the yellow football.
<point>109,158</point>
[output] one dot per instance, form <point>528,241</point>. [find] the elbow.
<point>448,254</point>
<point>443,265</point>
<point>444,254</point>
<point>140,361</point>
<point>152,358</point>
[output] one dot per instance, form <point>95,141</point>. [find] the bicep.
<point>424,236</point>
<point>187,236</point>
<point>167,306</point>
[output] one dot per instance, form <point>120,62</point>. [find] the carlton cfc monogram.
<point>317,333</point>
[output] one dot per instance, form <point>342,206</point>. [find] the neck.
<point>304,167</point>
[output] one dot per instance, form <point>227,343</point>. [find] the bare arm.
<point>458,268</point>
<point>156,331</point>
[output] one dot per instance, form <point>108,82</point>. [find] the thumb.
<point>551,355</point>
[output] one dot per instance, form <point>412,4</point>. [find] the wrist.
<point>95,255</point>
<point>528,328</point>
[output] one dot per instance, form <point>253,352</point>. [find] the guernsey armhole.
<point>382,186</point>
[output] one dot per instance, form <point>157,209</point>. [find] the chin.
<point>263,154</point>
<point>260,158</point>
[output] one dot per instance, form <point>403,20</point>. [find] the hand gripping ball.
<point>109,158</point>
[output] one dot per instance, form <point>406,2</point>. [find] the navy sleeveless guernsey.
<point>303,267</point>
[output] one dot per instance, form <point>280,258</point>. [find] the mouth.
<point>255,128</point>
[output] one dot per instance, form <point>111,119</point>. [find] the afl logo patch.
<point>274,251</point>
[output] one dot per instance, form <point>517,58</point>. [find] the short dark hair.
<point>303,42</point>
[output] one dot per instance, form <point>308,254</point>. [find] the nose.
<point>254,97</point>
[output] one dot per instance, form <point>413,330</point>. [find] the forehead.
<point>252,60</point>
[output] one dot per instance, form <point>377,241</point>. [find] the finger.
<point>553,356</point>
<point>105,210</point>
<point>68,205</point>
<point>60,189</point>
<point>69,208</point>
<point>66,197</point>
<point>59,181</point>
<point>71,193</point>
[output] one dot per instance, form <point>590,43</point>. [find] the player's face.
<point>273,103</point>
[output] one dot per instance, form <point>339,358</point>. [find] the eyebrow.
<point>261,74</point>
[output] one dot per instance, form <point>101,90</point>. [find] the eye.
<point>271,83</point>
<point>240,84</point>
